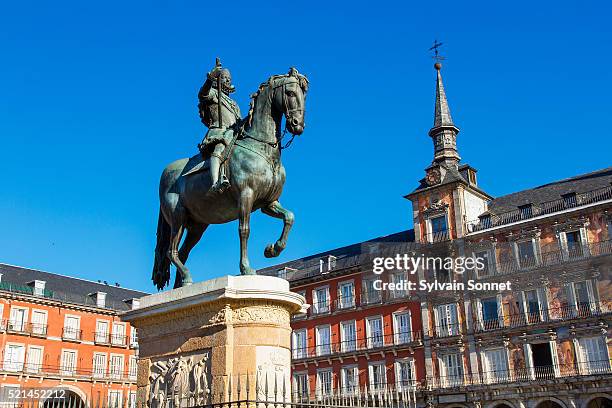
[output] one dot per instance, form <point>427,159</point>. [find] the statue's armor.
<point>209,115</point>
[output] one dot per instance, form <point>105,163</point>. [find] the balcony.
<point>549,315</point>
<point>446,330</point>
<point>550,256</point>
<point>343,303</point>
<point>545,208</point>
<point>72,334</point>
<point>102,338</point>
<point>359,345</point>
<point>28,329</point>
<point>440,236</point>
<point>119,340</point>
<point>319,308</point>
<point>531,374</point>
<point>67,371</point>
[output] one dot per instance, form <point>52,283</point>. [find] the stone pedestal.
<point>196,340</point>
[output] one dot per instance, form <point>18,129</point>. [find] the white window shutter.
<point>437,325</point>
<point>571,298</point>
<point>542,304</point>
<point>529,360</point>
<point>555,357</point>
<point>500,310</point>
<point>584,241</point>
<point>480,315</point>
<point>580,357</point>
<point>563,245</point>
<point>591,295</point>
<point>453,321</point>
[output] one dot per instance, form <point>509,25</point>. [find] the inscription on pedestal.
<point>274,365</point>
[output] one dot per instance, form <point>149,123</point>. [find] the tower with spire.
<point>448,196</point>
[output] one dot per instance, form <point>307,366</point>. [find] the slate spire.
<point>444,132</point>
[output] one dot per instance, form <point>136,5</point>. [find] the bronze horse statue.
<point>256,177</point>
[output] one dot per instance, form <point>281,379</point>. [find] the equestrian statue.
<point>238,171</point>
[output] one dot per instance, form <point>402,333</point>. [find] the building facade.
<point>535,332</point>
<point>62,332</point>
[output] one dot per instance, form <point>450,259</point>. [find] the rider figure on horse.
<point>219,132</point>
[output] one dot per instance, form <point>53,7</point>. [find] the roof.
<point>552,191</point>
<point>346,256</point>
<point>66,288</point>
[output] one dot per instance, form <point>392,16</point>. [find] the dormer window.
<point>134,303</point>
<point>99,298</point>
<point>526,210</point>
<point>569,200</point>
<point>327,264</point>
<point>38,287</point>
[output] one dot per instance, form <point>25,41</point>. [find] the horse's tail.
<point>161,267</point>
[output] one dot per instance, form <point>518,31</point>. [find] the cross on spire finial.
<point>437,57</point>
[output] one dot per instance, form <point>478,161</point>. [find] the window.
<point>446,319</point>
<point>133,367</point>
<point>323,340</point>
<point>2,326</point>
<point>397,279</point>
<point>451,370</point>
<point>378,376</point>
<point>39,322</point>
<point>71,328</point>
<point>133,337</point>
<point>495,365</point>
<point>18,319</point>
<point>14,355</point>
<point>486,261</point>
<point>99,365</point>
<point>404,373</point>
<point>443,275</point>
<point>438,224</point>
<point>68,362</point>
<point>35,357</point>
<point>320,300</point>
<point>533,308</point>
<point>324,382</point>
<point>132,399</point>
<point>349,375</point>
<point>300,349</point>
<point>580,298</point>
<point>116,366</point>
<point>593,356</point>
<point>118,336</point>
<point>526,254</point>
<point>300,384</point>
<point>369,293</point>
<point>374,331</point>
<point>348,334</point>
<point>490,313</point>
<point>102,331</point>
<point>402,327</point>
<point>574,244</point>
<point>439,229</point>
<point>346,295</point>
<point>115,398</point>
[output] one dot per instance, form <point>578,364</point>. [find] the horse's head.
<point>288,98</point>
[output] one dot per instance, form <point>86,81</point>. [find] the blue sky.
<point>97,97</point>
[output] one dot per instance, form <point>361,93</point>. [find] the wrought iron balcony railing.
<point>358,345</point>
<point>72,334</point>
<point>19,327</point>
<point>528,374</point>
<point>68,370</point>
<point>545,208</point>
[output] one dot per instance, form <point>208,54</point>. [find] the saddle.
<point>205,163</point>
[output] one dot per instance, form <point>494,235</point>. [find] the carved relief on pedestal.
<point>183,380</point>
<point>261,314</point>
<point>274,367</point>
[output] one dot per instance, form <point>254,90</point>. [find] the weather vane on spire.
<point>437,57</point>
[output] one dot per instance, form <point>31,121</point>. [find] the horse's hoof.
<point>270,251</point>
<point>247,270</point>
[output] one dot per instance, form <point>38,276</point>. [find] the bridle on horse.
<point>288,113</point>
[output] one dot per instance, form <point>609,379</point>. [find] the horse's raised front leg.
<point>245,205</point>
<point>276,210</point>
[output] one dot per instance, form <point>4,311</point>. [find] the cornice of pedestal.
<point>225,289</point>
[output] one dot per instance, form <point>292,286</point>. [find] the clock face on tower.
<point>433,177</point>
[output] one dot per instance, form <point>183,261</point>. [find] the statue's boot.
<point>220,182</point>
